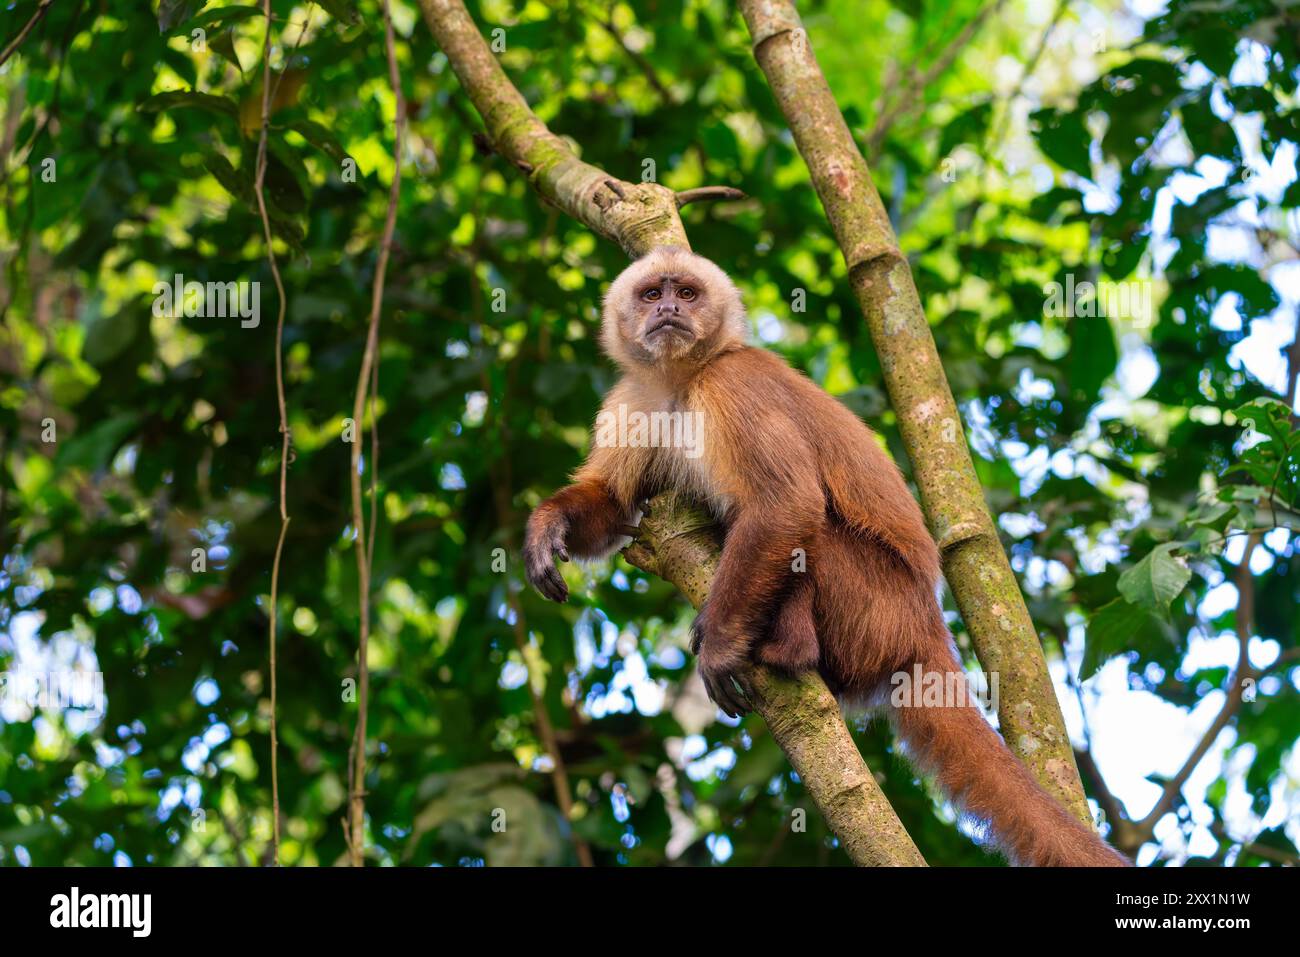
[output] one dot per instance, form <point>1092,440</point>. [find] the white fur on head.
<point>720,291</point>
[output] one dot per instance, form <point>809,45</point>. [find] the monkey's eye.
<point>686,293</point>
<point>651,294</point>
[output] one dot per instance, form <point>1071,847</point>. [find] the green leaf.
<point>965,127</point>
<point>1274,464</point>
<point>1195,216</point>
<point>1214,46</point>
<point>1064,139</point>
<point>94,449</point>
<point>172,13</point>
<point>1157,579</point>
<point>1093,356</point>
<point>1114,629</point>
<point>225,16</point>
<point>235,182</point>
<point>345,11</point>
<point>224,45</point>
<point>1208,134</point>
<point>109,335</point>
<point>321,138</point>
<point>190,99</point>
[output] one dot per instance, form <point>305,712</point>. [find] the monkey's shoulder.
<point>754,359</point>
<point>754,383</point>
<point>737,370</point>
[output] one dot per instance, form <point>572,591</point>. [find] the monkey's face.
<point>671,305</point>
<point>669,313</point>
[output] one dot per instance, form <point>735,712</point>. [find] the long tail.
<point>976,770</point>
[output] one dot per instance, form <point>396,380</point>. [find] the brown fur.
<point>786,467</point>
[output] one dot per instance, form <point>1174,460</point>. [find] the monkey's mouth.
<point>668,323</point>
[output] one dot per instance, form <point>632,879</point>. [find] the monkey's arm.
<point>754,572</point>
<point>768,469</point>
<point>583,520</point>
<point>586,519</point>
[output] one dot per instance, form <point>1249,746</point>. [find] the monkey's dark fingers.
<point>744,696</point>
<point>697,636</point>
<point>544,576</point>
<point>715,694</point>
<point>721,693</point>
<point>561,553</point>
<point>723,690</point>
<point>734,702</point>
<point>552,585</point>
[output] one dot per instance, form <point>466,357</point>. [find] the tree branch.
<point>367,378</point>
<point>914,89</point>
<point>1243,673</point>
<point>1259,850</point>
<point>12,47</point>
<point>637,216</point>
<point>606,21</point>
<point>677,542</point>
<point>975,565</point>
<point>1293,368</point>
<point>707,194</point>
<point>998,129</point>
<point>286,439</point>
<point>501,478</point>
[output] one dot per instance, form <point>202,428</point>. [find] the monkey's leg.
<point>792,647</point>
<point>752,575</point>
<point>582,520</point>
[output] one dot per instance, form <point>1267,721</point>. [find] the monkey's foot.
<point>723,668</point>
<point>728,690</point>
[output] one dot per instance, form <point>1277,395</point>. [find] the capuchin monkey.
<point>783,466</point>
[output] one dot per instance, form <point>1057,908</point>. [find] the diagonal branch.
<point>606,20</point>
<point>919,82</point>
<point>679,543</point>
<point>676,542</point>
<point>1243,674</point>
<point>12,47</point>
<point>637,216</point>
<point>974,563</point>
<point>500,476</point>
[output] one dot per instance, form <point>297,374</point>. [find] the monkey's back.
<point>869,590</point>
<point>864,489</point>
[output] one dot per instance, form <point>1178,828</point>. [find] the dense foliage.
<point>1126,451</point>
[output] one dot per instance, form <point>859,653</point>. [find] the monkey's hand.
<point>721,662</point>
<point>543,544</point>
